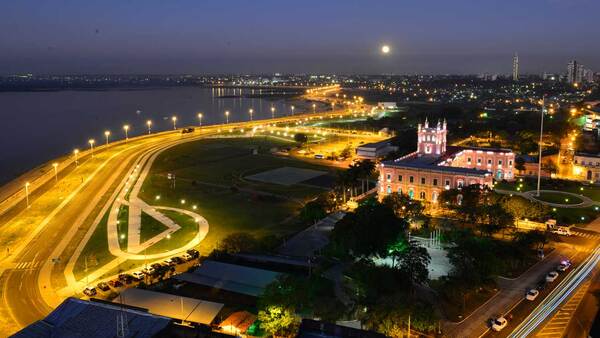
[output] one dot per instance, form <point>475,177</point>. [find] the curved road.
<point>22,301</point>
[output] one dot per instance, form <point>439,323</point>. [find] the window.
<point>459,183</point>
<point>469,160</point>
<point>499,162</point>
<point>575,161</point>
<point>422,180</point>
<point>435,181</point>
<point>411,179</point>
<point>489,162</point>
<point>399,178</point>
<point>447,183</point>
<point>389,189</point>
<point>510,162</point>
<point>434,196</point>
<point>388,177</point>
<point>479,161</point>
<point>422,195</point>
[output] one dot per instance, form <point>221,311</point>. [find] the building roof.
<point>172,306</point>
<point>230,277</point>
<point>80,318</point>
<point>580,153</point>
<point>376,145</point>
<point>310,328</point>
<point>241,320</point>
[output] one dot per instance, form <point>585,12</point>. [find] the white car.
<point>499,323</point>
<point>139,275</point>
<point>551,276</point>
<point>563,231</point>
<point>148,270</point>
<point>532,294</point>
<point>564,266</point>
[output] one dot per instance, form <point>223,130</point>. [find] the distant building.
<point>310,328</point>
<point>387,105</point>
<point>375,150</point>
<point>435,167</point>
<point>515,72</point>
<point>574,72</point>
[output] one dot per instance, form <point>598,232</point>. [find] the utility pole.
<point>408,331</point>
<point>540,148</point>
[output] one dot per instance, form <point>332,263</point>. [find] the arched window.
<point>422,195</point>
<point>459,199</point>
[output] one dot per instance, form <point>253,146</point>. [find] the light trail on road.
<point>557,296</point>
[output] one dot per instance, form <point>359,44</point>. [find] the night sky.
<point>260,36</point>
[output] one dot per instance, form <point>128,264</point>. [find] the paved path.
<point>307,242</point>
<point>530,195</point>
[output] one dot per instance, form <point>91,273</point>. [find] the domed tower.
<point>432,140</point>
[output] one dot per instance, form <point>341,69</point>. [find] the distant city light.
<point>385,49</point>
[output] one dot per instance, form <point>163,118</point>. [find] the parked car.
<point>551,276</point>
<point>103,286</point>
<point>563,231</point>
<point>498,323</point>
<point>177,260</point>
<point>563,266</point>
<point>89,291</point>
<point>169,262</point>
<point>187,257</point>
<point>138,275</point>
<point>156,266</point>
<point>193,252</point>
<point>115,283</point>
<point>148,270</point>
<point>126,278</point>
<point>532,294</point>
<point>319,156</point>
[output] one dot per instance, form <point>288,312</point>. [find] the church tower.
<point>432,140</point>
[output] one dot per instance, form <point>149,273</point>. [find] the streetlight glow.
<point>76,152</point>
<point>251,111</point>
<point>149,124</point>
<point>107,134</point>
<point>227,117</point>
<point>200,118</point>
<point>385,49</point>
<point>174,119</point>
<point>272,112</point>
<point>126,128</point>
<point>91,142</point>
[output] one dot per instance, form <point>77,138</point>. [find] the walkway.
<point>530,195</point>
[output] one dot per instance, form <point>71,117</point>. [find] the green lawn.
<point>95,251</point>
<point>527,184</point>
<point>150,227</point>
<point>189,229</point>
<point>555,197</point>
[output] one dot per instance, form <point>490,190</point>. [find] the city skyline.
<point>335,37</point>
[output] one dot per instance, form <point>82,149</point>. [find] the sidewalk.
<point>312,239</point>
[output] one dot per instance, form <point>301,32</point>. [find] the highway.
<point>68,208</point>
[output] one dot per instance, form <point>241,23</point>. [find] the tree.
<point>495,219</point>
<point>521,208</point>
<point>313,211</point>
<point>368,231</point>
<point>301,138</point>
<point>238,242</point>
<point>403,205</point>
<point>279,321</point>
<point>550,166</point>
<point>413,262</point>
<point>520,164</point>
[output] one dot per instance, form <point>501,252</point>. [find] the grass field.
<point>210,177</point>
<point>556,197</point>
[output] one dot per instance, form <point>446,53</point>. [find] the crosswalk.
<point>26,265</point>
<point>585,234</point>
<point>556,326</point>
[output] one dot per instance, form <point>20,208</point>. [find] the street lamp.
<point>314,107</point>
<point>200,118</point>
<point>174,119</point>
<point>126,128</point>
<point>292,107</point>
<point>91,142</point>
<point>76,152</point>
<point>149,124</point>
<point>107,134</point>
<point>227,117</point>
<point>251,111</point>
<point>272,112</point>
<point>27,193</point>
<point>55,165</point>
<point>332,105</point>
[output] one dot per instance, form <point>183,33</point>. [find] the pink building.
<point>435,166</point>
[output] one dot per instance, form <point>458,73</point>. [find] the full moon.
<point>385,49</point>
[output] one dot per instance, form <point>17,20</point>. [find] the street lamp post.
<point>292,107</point>
<point>107,134</point>
<point>27,193</point>
<point>55,165</point>
<point>537,193</point>
<point>149,124</point>
<point>126,128</point>
<point>227,117</point>
<point>272,112</point>
<point>76,152</point>
<point>174,119</point>
<point>251,111</point>
<point>314,107</point>
<point>91,142</point>
<point>200,118</point>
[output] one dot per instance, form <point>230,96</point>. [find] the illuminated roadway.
<point>22,301</point>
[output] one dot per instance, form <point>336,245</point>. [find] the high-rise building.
<point>574,72</point>
<point>515,73</point>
